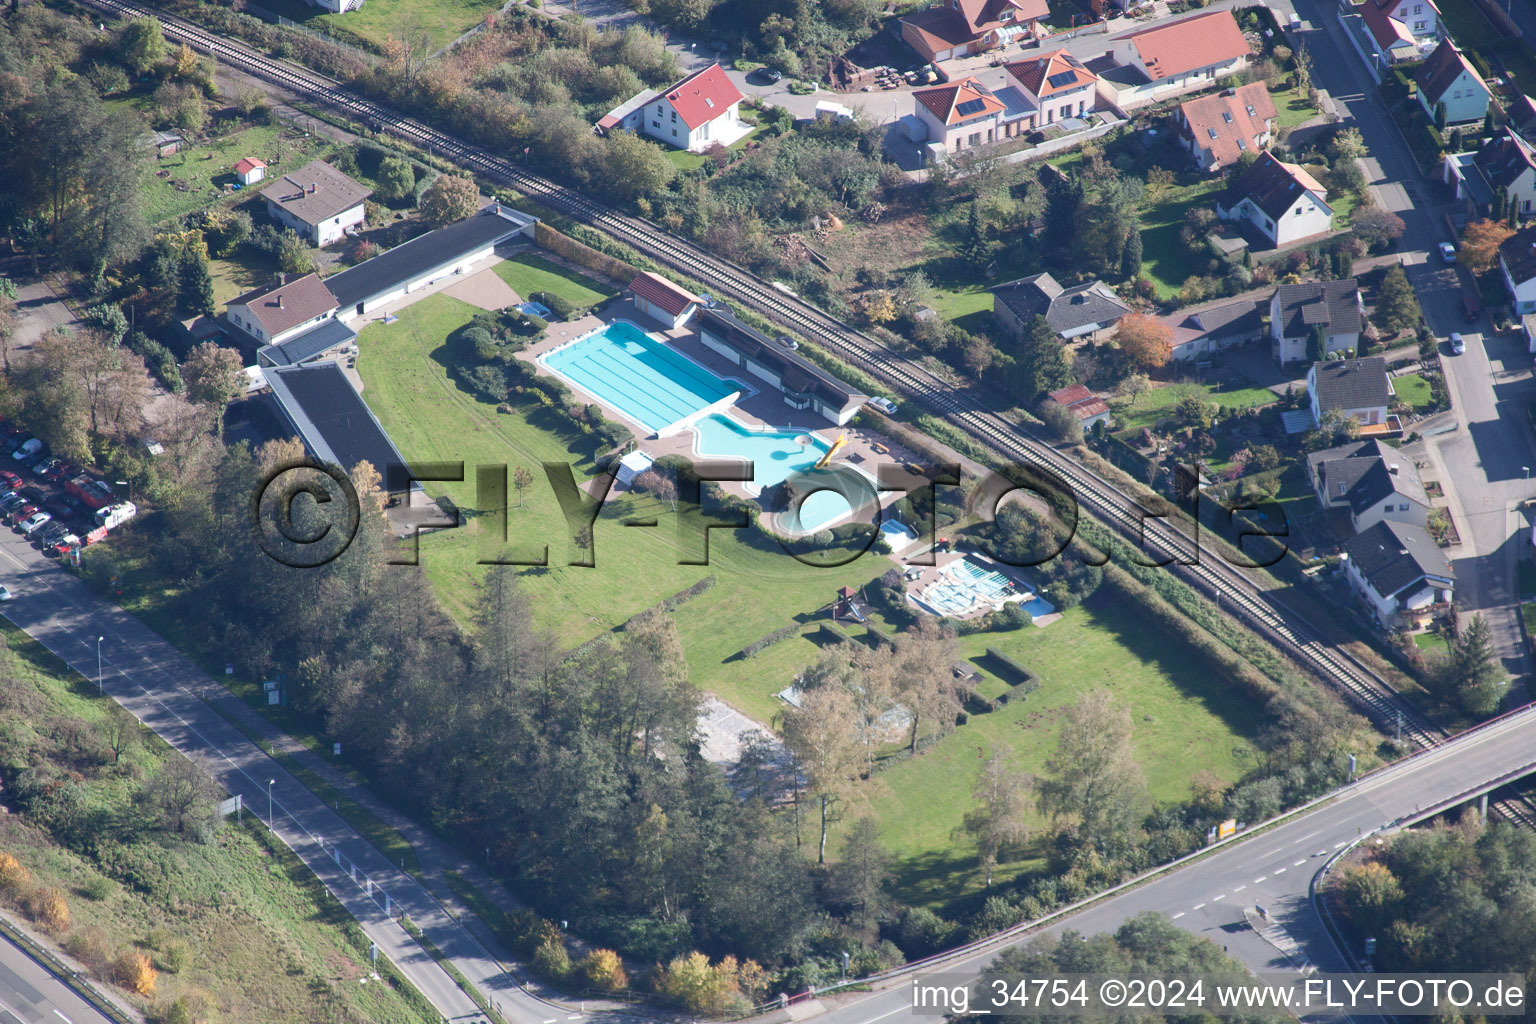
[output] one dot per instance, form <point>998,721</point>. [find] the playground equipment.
<point>837,446</point>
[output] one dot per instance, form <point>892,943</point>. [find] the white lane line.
<point>891,1013</point>
<point>1220,897</point>
<point>1199,906</point>
<point>1261,878</point>
<point>63,1018</point>
<point>1304,838</point>
<point>1240,888</point>
<point>552,1020</point>
<point>1281,871</point>
<point>1338,845</point>
<point>1177,916</point>
<point>574,1016</point>
<point>1321,853</point>
<point>1299,863</point>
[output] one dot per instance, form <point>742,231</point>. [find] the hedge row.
<point>881,638</point>
<point>835,634</point>
<point>687,594</point>
<point>756,647</point>
<point>583,254</point>
<point>1023,676</point>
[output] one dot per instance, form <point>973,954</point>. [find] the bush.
<point>551,959</point>
<point>835,635</point>
<point>559,305</point>
<point>14,875</point>
<point>604,971</point>
<point>756,647</point>
<point>48,907</point>
<point>131,968</point>
<point>98,888</point>
<point>1021,675</point>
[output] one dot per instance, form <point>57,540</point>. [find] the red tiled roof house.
<point>960,115</point>
<point>1057,83</point>
<point>668,303</point>
<point>249,170</point>
<point>695,113</point>
<point>957,28</point>
<point>1176,57</point>
<point>1401,28</point>
<point>1088,407</point>
<point>1218,129</point>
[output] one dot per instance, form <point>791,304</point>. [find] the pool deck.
<point>761,406</point>
<point>925,576</point>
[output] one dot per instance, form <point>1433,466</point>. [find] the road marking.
<point>1199,906</point>
<point>1299,863</point>
<point>1261,878</point>
<point>552,1020</point>
<point>1177,916</point>
<point>1281,871</point>
<point>1344,843</point>
<point>892,1013</point>
<point>1321,853</point>
<point>63,1018</point>
<point>1304,838</point>
<point>574,1016</point>
<point>1240,888</point>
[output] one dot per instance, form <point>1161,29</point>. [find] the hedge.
<point>977,704</point>
<point>578,252</point>
<point>881,638</point>
<point>1024,677</point>
<point>835,634</point>
<point>756,647</point>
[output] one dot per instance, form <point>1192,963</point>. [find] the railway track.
<point>967,407</point>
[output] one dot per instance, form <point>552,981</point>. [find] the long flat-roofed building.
<point>803,384</point>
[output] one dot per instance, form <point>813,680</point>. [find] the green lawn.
<point>527,273</point>
<point>1528,615</point>
<point>1159,402</point>
<point>238,275</point>
<point>1431,643</point>
<point>209,165</point>
<point>439,22</point>
<point>683,160</point>
<point>1185,722</point>
<point>1413,389</point>
<point>1292,107</point>
<point>1164,257</point>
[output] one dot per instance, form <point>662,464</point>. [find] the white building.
<point>1447,77</point>
<point>1058,84</point>
<point>1280,201</point>
<point>1371,482</point>
<point>273,315</point>
<point>669,304</point>
<point>249,170</point>
<point>1517,265</point>
<point>1357,388</point>
<point>960,115</point>
<point>1173,58</point>
<point>1400,573</point>
<point>317,201</point>
<point>1295,310</point>
<point>695,113</point>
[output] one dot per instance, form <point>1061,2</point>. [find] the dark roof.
<point>334,422</point>
<point>1065,309</point>
<point>796,373</point>
<point>1245,316</point>
<point>1395,556</point>
<point>1518,252</point>
<point>1273,186</point>
<point>1078,400</point>
<point>287,305</point>
<point>315,192</point>
<point>1522,114</point>
<point>422,254</point>
<point>1504,160</point>
<point>301,348</point>
<point>1336,304</point>
<point>1351,384</point>
<point>1359,475</point>
<point>1440,69</point>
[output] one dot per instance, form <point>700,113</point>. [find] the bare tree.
<point>1093,775</point>
<point>997,822</point>
<point>822,736</point>
<point>119,730</point>
<point>183,793</point>
<point>924,678</point>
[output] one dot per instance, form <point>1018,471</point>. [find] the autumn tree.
<point>1480,241</point>
<point>395,178</point>
<point>133,970</point>
<point>449,199</point>
<point>214,376</point>
<point>634,167</point>
<point>1092,777</point>
<point>1147,340</point>
<point>1134,386</point>
<point>996,820</point>
<point>1375,226</point>
<point>604,971</point>
<point>1397,307</point>
<point>925,679</point>
<point>822,736</point>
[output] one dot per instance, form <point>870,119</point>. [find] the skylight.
<point>1226,115</point>
<point>1212,131</point>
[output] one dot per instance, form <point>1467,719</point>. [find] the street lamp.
<point>99,689</point>
<point>270,784</point>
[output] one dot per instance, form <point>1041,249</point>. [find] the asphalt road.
<point>29,994</point>
<point>1274,869</point>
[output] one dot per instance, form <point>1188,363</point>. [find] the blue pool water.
<point>775,454</point>
<point>643,378</point>
<point>968,585</point>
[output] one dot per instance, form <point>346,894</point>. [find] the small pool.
<point>967,586</point>
<point>775,454</point>
<point>645,379</point>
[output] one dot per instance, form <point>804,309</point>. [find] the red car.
<point>24,511</point>
<point>11,480</point>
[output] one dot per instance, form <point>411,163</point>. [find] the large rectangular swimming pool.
<point>645,379</point>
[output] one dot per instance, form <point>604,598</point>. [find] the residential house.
<point>1517,265</point>
<point>1520,114</point>
<point>1446,76</point>
<point>1356,388</point>
<point>1280,201</point>
<point>1200,331</point>
<point>1370,482</point>
<point>1174,57</point>
<point>1402,29</point>
<point>317,201</point>
<point>249,170</point>
<point>960,115</point>
<point>1504,164</point>
<point>802,383</point>
<point>628,116</point>
<point>1218,129</point>
<point>1296,309</point>
<point>957,28</point>
<point>697,112</point>
<point>1057,84</point>
<point>1086,406</point>
<point>166,143</point>
<point>273,314</point>
<point>1082,310</point>
<point>668,303</point>
<point>1400,572</point>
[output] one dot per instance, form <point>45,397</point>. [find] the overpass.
<point>1272,865</point>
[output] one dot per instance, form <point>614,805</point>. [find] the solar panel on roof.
<point>970,107</point>
<point>1062,78</point>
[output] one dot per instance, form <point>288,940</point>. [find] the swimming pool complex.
<point>775,454</point>
<point>645,379</point>
<point>967,586</point>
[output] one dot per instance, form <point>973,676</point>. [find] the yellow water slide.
<point>837,446</point>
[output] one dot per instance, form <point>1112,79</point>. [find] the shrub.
<point>559,305</point>
<point>551,959</point>
<point>1021,675</point>
<point>48,907</point>
<point>13,874</point>
<point>175,956</point>
<point>98,888</point>
<point>756,647</point>
<point>605,971</point>
<point>836,635</point>
<point>131,968</point>
<point>89,946</point>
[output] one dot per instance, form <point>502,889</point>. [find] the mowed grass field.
<point>1184,722</point>
<point>527,273</point>
<point>209,165</point>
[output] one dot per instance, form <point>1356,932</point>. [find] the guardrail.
<point>71,979</point>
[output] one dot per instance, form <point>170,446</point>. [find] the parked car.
<point>56,470</point>
<point>34,522</point>
<point>49,534</point>
<point>44,467</point>
<point>885,405</point>
<point>1447,252</point>
<point>5,595</point>
<point>788,342</point>
<point>20,513</point>
<point>772,74</point>
<point>63,546</point>
<point>27,448</point>
<point>11,480</point>
<point>1458,345</point>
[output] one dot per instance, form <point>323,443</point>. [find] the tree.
<point>119,731</point>
<point>109,319</point>
<point>1093,775</point>
<point>634,167</point>
<point>996,820</point>
<point>1397,306</point>
<point>1347,144</point>
<point>183,794</point>
<point>1303,60</point>
<point>1376,227</point>
<point>820,733</point>
<point>7,321</point>
<point>975,248</point>
<point>1474,671</point>
<point>1480,241</point>
<point>1130,260</point>
<point>141,45</point>
<point>196,291</point>
<point>859,878</point>
<point>1134,386</point>
<point>451,198</point>
<point>214,376</point>
<point>1040,364</point>
<point>1148,341</point>
<point>1317,343</point>
<point>604,971</point>
<point>522,479</point>
<point>1061,421</point>
<point>1440,116</point>
<point>395,178</point>
<point>1488,120</point>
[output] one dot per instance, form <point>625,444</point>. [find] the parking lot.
<point>56,505</point>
